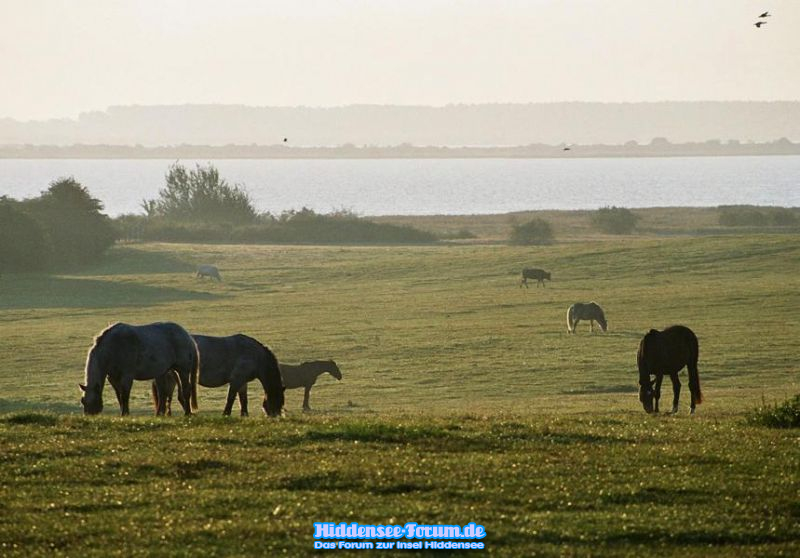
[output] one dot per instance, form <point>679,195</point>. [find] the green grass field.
<point>463,399</point>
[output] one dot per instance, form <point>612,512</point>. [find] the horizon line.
<point>390,105</point>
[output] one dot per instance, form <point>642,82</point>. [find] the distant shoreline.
<point>535,151</point>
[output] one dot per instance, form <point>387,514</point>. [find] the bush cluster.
<point>62,228</point>
<point>749,216</point>
<point>614,220</point>
<point>783,415</point>
<point>535,231</point>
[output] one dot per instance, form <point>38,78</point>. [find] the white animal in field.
<point>207,270</point>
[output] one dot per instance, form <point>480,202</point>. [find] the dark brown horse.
<point>534,273</point>
<point>124,353</point>
<point>666,353</point>
<point>233,360</point>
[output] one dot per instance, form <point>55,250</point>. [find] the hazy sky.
<point>62,57</point>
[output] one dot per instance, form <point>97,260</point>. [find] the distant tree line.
<point>750,216</point>
<point>61,229</point>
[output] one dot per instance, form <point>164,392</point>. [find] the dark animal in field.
<point>666,353</point>
<point>533,273</point>
<point>208,271</point>
<point>233,360</point>
<point>586,311</point>
<point>305,375</point>
<point>124,353</point>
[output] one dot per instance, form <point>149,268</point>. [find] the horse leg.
<point>164,386</point>
<point>306,406</point>
<point>115,385</point>
<point>591,326</point>
<point>233,389</point>
<point>243,400</point>
<point>676,391</point>
<point>125,385</point>
<point>185,390</point>
<point>657,391</point>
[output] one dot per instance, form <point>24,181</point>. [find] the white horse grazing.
<point>207,270</point>
<point>585,311</point>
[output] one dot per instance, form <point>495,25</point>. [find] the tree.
<point>71,218</point>
<point>614,220</point>
<point>200,195</point>
<point>535,231</point>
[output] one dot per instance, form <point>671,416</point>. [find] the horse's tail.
<point>154,394</point>
<point>195,378</point>
<point>570,313</point>
<point>694,375</point>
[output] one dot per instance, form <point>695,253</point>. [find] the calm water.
<point>438,186</point>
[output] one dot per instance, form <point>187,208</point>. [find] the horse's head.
<point>273,401</point>
<point>601,320</point>
<point>333,369</point>
<point>648,347</point>
<point>92,400</point>
<point>546,275</point>
<point>647,395</point>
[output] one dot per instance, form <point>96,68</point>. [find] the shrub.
<point>23,243</point>
<point>614,220</point>
<point>200,196</point>
<point>784,415</point>
<point>535,231</point>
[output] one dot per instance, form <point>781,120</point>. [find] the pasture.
<point>463,399</point>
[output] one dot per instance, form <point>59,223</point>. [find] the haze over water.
<point>438,186</point>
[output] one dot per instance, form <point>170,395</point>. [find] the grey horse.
<point>207,270</point>
<point>124,353</point>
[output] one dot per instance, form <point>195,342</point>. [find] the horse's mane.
<point>102,334</point>
<point>98,340</point>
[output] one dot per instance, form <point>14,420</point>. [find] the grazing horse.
<point>305,375</point>
<point>533,273</point>
<point>302,375</point>
<point>206,270</point>
<point>233,360</point>
<point>667,352</point>
<point>124,353</point>
<point>586,311</point>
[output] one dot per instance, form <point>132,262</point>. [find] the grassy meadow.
<point>463,399</point>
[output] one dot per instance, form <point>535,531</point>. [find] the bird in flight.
<point>760,23</point>
<point>765,14</point>
<point>567,148</point>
